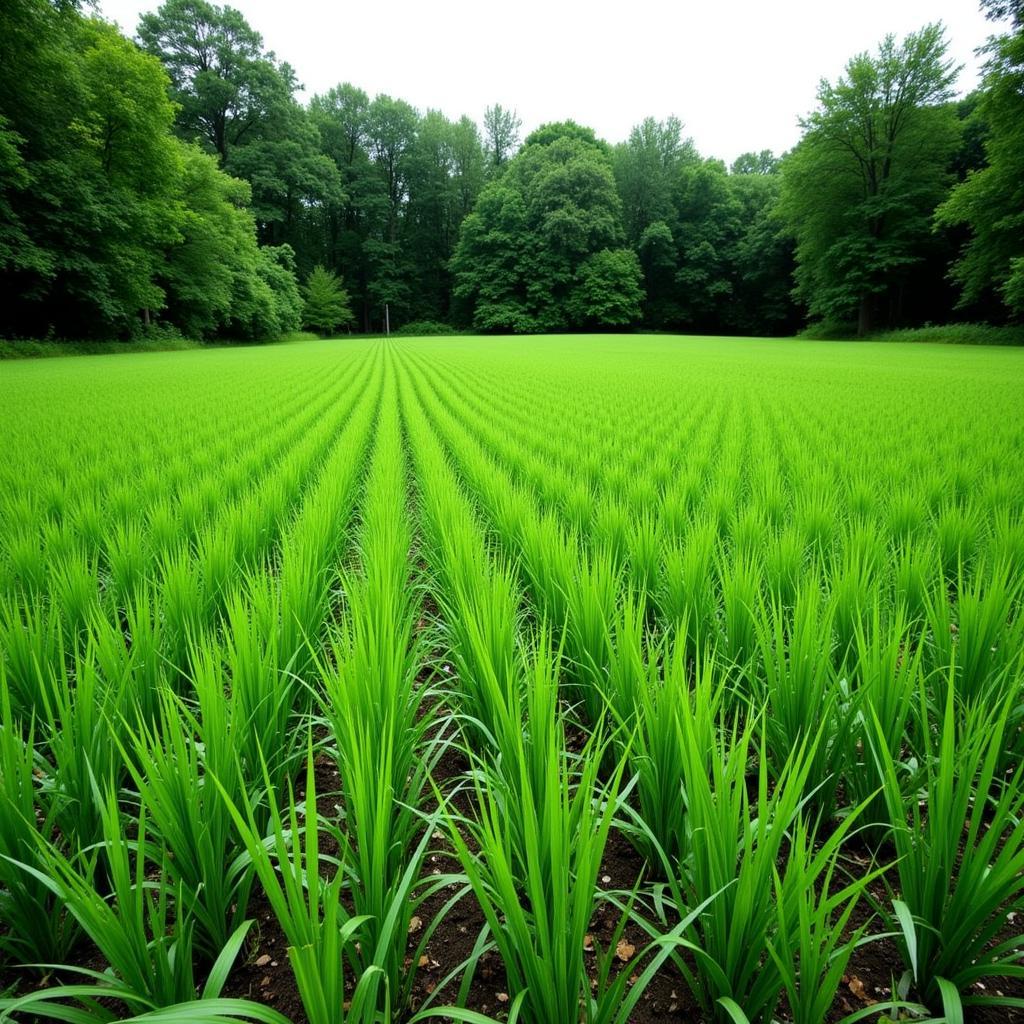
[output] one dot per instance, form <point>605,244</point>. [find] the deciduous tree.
<point>501,136</point>
<point>991,200</point>
<point>522,259</point>
<point>224,82</point>
<point>860,189</point>
<point>646,167</point>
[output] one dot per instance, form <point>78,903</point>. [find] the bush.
<point>828,330</point>
<point>935,334</point>
<point>957,334</point>
<point>154,341</point>
<point>426,329</point>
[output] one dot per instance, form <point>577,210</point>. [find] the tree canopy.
<point>546,238</point>
<point>990,201</point>
<point>183,179</point>
<point>108,218</point>
<point>860,189</point>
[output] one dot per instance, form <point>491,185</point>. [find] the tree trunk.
<point>866,315</point>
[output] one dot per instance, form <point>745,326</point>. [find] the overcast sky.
<point>738,73</point>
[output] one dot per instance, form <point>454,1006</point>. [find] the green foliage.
<point>713,249</point>
<point>607,292</point>
<point>159,338</point>
<point>764,162</point>
<point>706,221</point>
<point>222,80</point>
<point>990,200</point>
<point>93,173</point>
<point>520,262</point>
<point>950,912</point>
<point>445,174</point>
<point>425,329</point>
<point>108,220</point>
<point>108,223</point>
<point>946,334</point>
<point>501,131</point>
<point>646,167</point>
<point>326,303</point>
<point>276,268</point>
<point>216,251</point>
<point>860,188</point>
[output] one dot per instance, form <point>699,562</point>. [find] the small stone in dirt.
<point>588,943</point>
<point>605,879</point>
<point>625,950</point>
<point>415,924</point>
<point>263,960</point>
<point>502,997</point>
<point>265,983</point>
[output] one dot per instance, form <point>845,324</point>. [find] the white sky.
<point>738,73</point>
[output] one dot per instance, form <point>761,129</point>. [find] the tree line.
<point>178,181</point>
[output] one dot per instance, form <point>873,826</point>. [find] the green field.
<point>632,678</point>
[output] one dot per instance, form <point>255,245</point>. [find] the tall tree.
<point>236,99</point>
<point>544,249</point>
<point>224,82</point>
<point>990,201</point>
<point>342,116</point>
<point>646,168</point>
<point>763,162</point>
<point>445,176</point>
<point>106,218</point>
<point>391,127</point>
<point>706,224</point>
<point>501,136</point>
<point>217,280</point>
<point>91,170</point>
<point>467,164</point>
<point>762,256</point>
<point>293,181</point>
<point>860,188</point>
